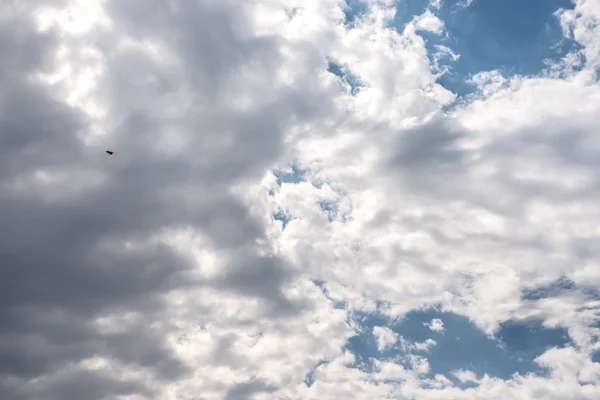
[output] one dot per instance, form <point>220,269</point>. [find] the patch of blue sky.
<point>293,174</point>
<point>364,344</point>
<point>460,346</point>
<point>331,208</point>
<point>353,11</point>
<point>406,10</point>
<point>512,36</point>
<point>554,289</point>
<point>309,378</point>
<point>282,217</point>
<point>340,305</point>
<point>345,76</point>
<point>525,340</point>
<point>560,287</point>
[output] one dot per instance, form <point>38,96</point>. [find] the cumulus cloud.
<point>465,376</point>
<point>422,346</point>
<point>385,337</point>
<point>582,24</point>
<point>429,22</point>
<point>159,272</point>
<point>436,325</point>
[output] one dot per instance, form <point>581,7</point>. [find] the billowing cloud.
<point>193,264</point>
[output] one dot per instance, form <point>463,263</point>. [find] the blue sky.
<point>511,36</point>
<point>460,346</point>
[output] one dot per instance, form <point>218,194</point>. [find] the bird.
<point>109,152</point>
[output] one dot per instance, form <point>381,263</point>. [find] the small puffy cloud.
<point>423,346</point>
<point>385,337</point>
<point>429,22</point>
<point>436,325</point>
<point>420,365</point>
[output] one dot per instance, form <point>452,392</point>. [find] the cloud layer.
<point>196,263</point>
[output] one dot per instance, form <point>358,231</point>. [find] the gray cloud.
<point>431,147</point>
<point>59,269</point>
<point>79,384</point>
<point>244,391</point>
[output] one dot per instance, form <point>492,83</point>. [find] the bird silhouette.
<point>109,152</point>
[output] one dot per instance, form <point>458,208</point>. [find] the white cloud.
<point>583,24</point>
<point>385,337</point>
<point>429,22</point>
<point>465,376</point>
<point>424,346</point>
<point>436,325</point>
<point>409,347</point>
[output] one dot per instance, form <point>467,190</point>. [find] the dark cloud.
<point>244,391</point>
<point>78,384</point>
<point>61,255</point>
<point>431,148</point>
<point>428,160</point>
<point>264,277</point>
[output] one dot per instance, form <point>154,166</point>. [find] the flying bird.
<point>109,152</point>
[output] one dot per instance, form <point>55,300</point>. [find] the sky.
<point>308,199</point>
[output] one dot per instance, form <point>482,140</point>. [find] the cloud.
<point>583,24</point>
<point>160,271</point>
<point>465,376</point>
<point>424,346</point>
<point>429,22</point>
<point>88,241</point>
<point>436,325</point>
<point>385,337</point>
<point>436,3</point>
